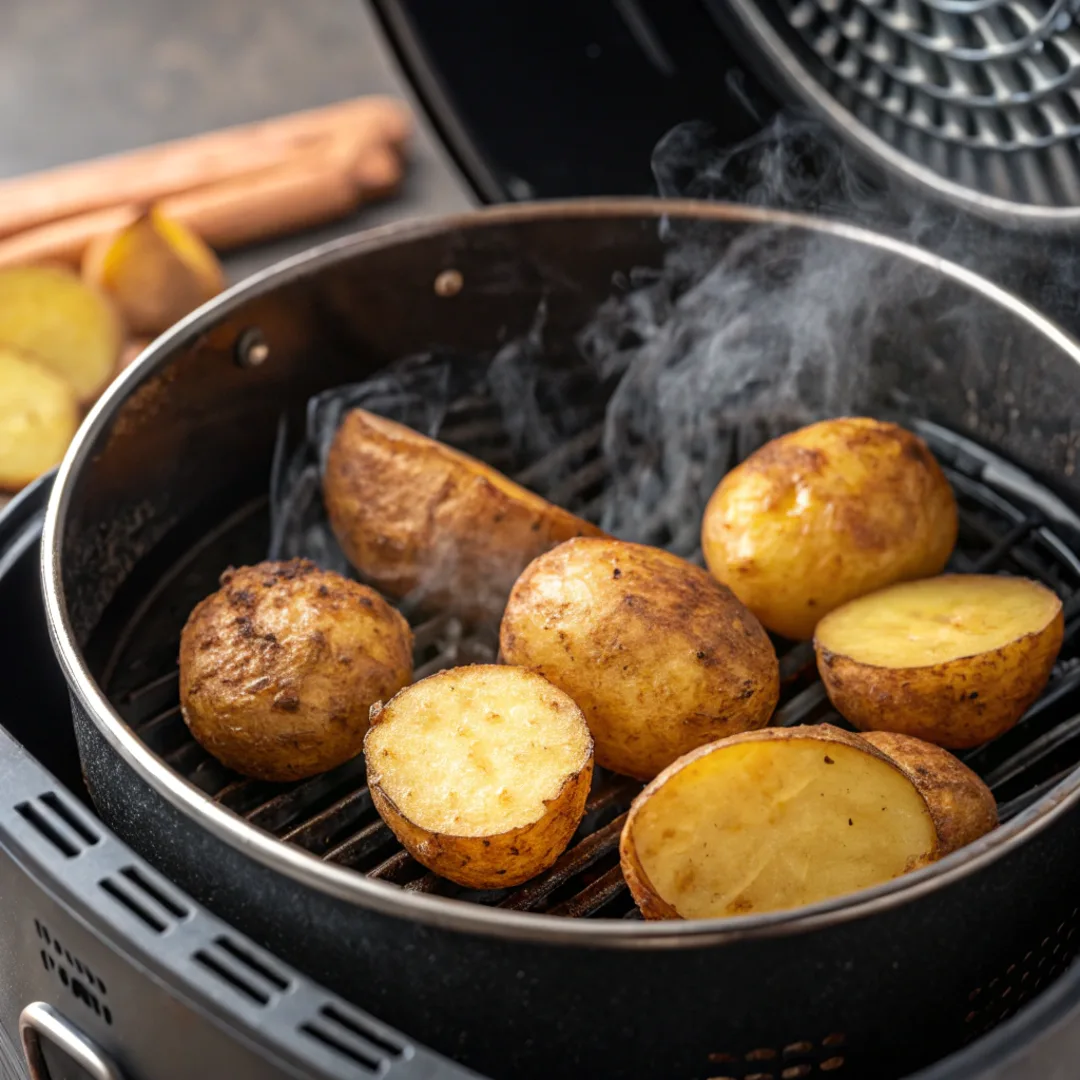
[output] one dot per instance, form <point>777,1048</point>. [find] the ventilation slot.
<point>150,902</point>
<point>244,970</point>
<point>351,1037</point>
<point>59,823</point>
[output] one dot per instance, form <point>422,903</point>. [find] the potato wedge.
<point>70,327</point>
<point>481,772</point>
<point>771,820</point>
<point>660,657</point>
<point>419,519</point>
<point>962,805</point>
<point>825,514</point>
<point>279,668</point>
<point>156,270</point>
<point>38,417</point>
<point>954,660</point>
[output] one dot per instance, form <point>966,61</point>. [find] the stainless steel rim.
<point>455,914</point>
<point>786,65</point>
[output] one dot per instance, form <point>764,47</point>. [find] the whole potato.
<point>825,514</point>
<point>279,668</point>
<point>658,655</point>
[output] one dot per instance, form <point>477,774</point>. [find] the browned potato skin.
<point>896,522</point>
<point>492,862</point>
<point>958,704</point>
<point>962,806</point>
<point>651,905</point>
<point>417,517</point>
<point>646,607</point>
<point>279,668</point>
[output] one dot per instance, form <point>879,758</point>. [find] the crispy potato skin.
<point>279,668</point>
<point>659,656</point>
<point>962,805</point>
<point>492,861</point>
<point>957,704</point>
<point>416,517</point>
<point>826,514</point>
<point>649,902</point>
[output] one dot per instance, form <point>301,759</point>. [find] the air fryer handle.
<point>41,1022</point>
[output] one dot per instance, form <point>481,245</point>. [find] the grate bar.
<point>594,896</point>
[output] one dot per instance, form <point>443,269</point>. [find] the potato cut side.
<point>70,327</point>
<point>38,418</point>
<point>955,660</point>
<point>772,820</point>
<point>481,772</point>
<point>963,806</point>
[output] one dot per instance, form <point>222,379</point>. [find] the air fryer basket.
<point>167,484</point>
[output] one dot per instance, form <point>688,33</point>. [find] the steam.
<point>686,369</point>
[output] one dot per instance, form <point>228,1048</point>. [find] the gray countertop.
<point>81,79</point>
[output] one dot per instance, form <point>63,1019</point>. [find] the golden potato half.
<point>70,327</point>
<point>825,514</point>
<point>481,772</point>
<point>38,418</point>
<point>955,660</point>
<point>962,805</point>
<point>659,656</point>
<point>418,518</point>
<point>772,820</point>
<point>279,668</point>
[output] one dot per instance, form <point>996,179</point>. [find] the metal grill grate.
<point>984,93</point>
<point>1008,524</point>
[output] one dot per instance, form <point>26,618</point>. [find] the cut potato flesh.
<point>939,619</point>
<point>754,824</point>
<point>481,772</point>
<point>38,417</point>
<point>53,317</point>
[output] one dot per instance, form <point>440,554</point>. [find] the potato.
<point>38,417</point>
<point>279,668</point>
<point>156,270</point>
<point>955,660</point>
<point>53,317</point>
<point>481,772</point>
<point>825,514</point>
<point>771,820</point>
<point>962,805</point>
<point>417,518</point>
<point>659,656</point>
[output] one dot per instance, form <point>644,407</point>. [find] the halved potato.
<point>955,660</point>
<point>38,417</point>
<point>481,772</point>
<point>825,514</point>
<point>771,820</point>
<point>963,806</point>
<point>417,518</point>
<point>660,657</point>
<point>65,324</point>
<point>279,668</point>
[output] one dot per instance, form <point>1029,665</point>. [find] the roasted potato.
<point>659,656</point>
<point>417,518</point>
<point>279,668</point>
<point>770,820</point>
<point>962,805</point>
<point>955,660</point>
<point>825,514</point>
<point>63,323</point>
<point>481,772</point>
<point>38,417</point>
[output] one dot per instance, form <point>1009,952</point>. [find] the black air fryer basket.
<point>169,482</point>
